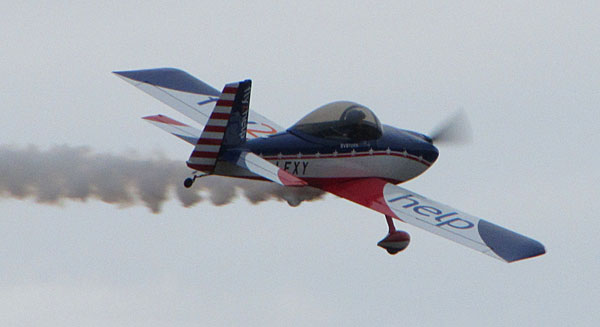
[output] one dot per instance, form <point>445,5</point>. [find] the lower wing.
<point>412,208</point>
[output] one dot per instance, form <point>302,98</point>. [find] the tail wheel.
<point>188,182</point>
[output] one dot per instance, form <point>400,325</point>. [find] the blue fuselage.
<point>397,155</point>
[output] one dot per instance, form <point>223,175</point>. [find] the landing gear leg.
<point>390,222</point>
<point>396,240</point>
<point>188,182</point>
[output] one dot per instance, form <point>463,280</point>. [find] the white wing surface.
<point>185,132</point>
<point>190,96</point>
<point>443,220</point>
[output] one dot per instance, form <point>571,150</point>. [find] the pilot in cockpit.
<point>341,121</point>
<point>351,124</point>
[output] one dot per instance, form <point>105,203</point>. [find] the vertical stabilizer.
<point>226,126</point>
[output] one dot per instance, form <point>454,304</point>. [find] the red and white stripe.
<point>206,152</point>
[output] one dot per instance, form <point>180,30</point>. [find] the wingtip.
<point>288,179</point>
<point>171,78</point>
<point>164,119</point>
<point>508,245</point>
<point>536,251</point>
<point>123,74</point>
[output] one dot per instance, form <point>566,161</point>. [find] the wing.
<point>440,219</point>
<point>190,96</point>
<point>262,167</point>
<point>185,132</point>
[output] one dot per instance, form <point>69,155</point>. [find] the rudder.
<point>226,126</point>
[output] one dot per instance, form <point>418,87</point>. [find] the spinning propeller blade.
<point>454,130</point>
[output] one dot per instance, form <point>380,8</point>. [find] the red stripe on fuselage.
<point>348,155</point>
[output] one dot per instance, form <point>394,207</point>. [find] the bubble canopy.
<point>341,120</point>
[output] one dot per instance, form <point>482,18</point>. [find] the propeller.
<point>454,130</point>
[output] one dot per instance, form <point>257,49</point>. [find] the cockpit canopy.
<point>341,120</point>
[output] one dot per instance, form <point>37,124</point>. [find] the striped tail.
<point>226,127</point>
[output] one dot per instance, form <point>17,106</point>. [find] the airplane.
<point>341,148</point>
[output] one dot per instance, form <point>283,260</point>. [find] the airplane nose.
<point>416,144</point>
<point>430,152</point>
<point>425,148</point>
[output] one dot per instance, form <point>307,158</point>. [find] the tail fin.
<point>226,127</point>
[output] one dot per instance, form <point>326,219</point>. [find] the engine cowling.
<point>395,242</point>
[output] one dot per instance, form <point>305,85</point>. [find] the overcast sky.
<point>526,74</point>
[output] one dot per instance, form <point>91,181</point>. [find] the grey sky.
<point>527,75</point>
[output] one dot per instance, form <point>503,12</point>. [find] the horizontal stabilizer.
<point>190,96</point>
<point>177,89</point>
<point>185,132</point>
<point>263,168</point>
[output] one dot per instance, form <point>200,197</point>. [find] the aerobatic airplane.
<point>340,148</point>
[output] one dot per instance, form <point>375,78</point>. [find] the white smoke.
<point>76,173</point>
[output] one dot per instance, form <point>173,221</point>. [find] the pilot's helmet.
<point>354,116</point>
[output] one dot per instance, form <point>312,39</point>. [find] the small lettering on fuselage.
<point>349,145</point>
<point>294,167</point>
<point>442,219</point>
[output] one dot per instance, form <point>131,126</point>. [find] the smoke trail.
<point>76,173</point>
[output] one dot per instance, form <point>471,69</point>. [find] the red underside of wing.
<point>164,120</point>
<point>367,192</point>
<point>288,179</point>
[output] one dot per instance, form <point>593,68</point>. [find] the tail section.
<point>226,127</point>
<point>235,134</point>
